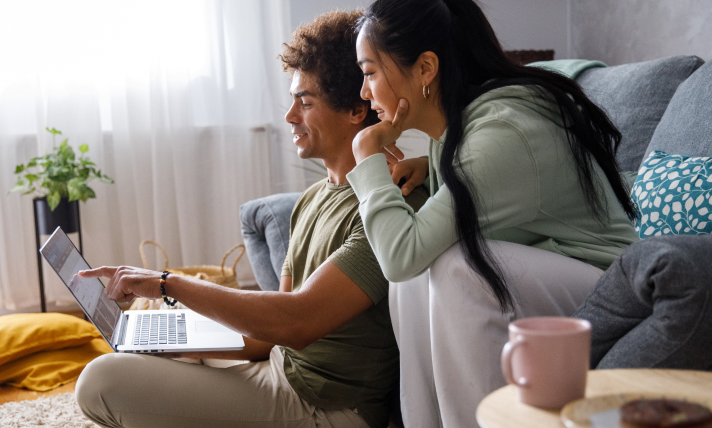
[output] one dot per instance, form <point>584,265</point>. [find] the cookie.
<point>664,413</point>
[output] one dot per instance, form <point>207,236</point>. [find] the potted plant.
<point>59,180</point>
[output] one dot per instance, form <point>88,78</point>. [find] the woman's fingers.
<point>411,183</point>
<point>395,151</point>
<point>412,170</point>
<point>375,138</point>
<point>389,156</point>
<point>401,113</point>
<point>399,171</point>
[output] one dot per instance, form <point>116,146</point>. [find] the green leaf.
<point>66,151</point>
<point>18,187</point>
<point>59,173</point>
<point>53,200</point>
<point>32,190</point>
<point>74,194</point>
<point>75,188</point>
<point>87,194</point>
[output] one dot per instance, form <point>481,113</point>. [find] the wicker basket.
<point>220,275</point>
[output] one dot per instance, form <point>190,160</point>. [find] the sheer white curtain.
<point>181,102</point>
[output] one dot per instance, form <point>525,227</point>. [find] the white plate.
<point>603,408</point>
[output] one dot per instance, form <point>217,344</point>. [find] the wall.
<point>304,11</point>
<point>530,24</point>
<point>614,31</point>
<point>622,31</point>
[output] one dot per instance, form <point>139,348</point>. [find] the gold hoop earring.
<point>426,91</point>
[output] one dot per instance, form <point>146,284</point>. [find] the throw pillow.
<point>46,370</point>
<point>25,334</point>
<point>635,97</point>
<point>673,194</point>
<point>686,126</point>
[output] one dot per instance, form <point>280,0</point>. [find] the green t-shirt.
<point>356,365</point>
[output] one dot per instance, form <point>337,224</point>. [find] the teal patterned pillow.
<point>673,194</point>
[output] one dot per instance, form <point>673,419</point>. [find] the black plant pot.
<point>65,215</point>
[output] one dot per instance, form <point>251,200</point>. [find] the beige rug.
<point>60,411</point>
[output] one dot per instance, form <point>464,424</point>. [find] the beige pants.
<point>451,331</point>
<point>130,390</point>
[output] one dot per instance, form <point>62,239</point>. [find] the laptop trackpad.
<point>210,327</point>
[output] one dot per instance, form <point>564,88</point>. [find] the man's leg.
<point>130,390</point>
<point>652,308</point>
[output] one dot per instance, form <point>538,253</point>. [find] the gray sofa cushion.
<point>686,126</point>
<point>635,97</point>
<point>265,230</point>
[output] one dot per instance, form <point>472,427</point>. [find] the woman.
<point>518,154</point>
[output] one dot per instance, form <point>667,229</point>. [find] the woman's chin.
<point>385,116</point>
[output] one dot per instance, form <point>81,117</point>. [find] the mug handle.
<point>507,353</point>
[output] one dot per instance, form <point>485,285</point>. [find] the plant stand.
<point>66,216</point>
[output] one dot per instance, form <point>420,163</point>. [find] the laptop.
<point>149,331</point>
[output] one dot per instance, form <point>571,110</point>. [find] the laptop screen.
<point>64,258</point>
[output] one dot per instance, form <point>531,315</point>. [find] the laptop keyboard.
<point>160,329</point>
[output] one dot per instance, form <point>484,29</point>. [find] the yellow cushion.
<point>47,370</point>
<point>25,334</point>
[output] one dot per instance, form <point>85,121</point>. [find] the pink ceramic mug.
<point>547,358</point>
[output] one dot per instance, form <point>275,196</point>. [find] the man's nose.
<point>292,116</point>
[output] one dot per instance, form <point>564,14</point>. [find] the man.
<point>336,358</point>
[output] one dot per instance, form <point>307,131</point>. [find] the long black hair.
<point>472,62</point>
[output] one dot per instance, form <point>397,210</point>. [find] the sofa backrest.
<point>686,126</point>
<point>635,97</point>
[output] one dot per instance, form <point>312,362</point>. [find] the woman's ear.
<point>358,113</point>
<point>427,67</point>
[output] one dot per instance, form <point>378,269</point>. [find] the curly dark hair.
<point>326,48</point>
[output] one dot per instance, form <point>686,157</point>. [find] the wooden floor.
<point>8,393</point>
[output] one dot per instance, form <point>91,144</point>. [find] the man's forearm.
<point>326,301</point>
<point>264,316</point>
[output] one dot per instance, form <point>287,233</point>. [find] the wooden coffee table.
<point>502,409</point>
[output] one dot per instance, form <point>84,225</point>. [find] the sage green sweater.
<point>517,157</point>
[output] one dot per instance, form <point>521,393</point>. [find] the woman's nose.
<point>365,91</point>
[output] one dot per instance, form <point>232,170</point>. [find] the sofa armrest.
<point>265,230</point>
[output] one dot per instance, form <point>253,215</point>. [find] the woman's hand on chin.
<point>126,282</point>
<point>381,137</point>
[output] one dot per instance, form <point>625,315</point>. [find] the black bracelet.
<point>163,290</point>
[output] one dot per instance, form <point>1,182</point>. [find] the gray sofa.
<point>663,104</point>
